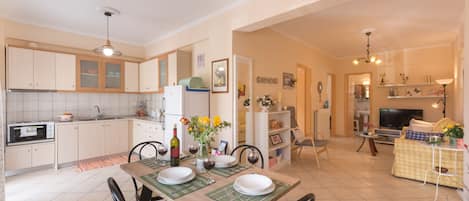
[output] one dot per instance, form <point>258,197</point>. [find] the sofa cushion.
<point>421,126</point>
<point>422,136</point>
<point>442,123</point>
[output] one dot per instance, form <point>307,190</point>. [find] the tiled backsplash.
<point>31,106</point>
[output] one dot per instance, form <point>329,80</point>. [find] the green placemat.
<point>228,193</point>
<point>151,163</point>
<point>177,191</point>
<point>227,172</point>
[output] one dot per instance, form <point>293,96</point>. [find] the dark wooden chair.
<point>116,192</point>
<point>308,197</point>
<point>137,150</point>
<point>245,147</point>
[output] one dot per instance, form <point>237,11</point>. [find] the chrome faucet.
<point>98,110</point>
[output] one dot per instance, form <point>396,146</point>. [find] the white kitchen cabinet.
<point>179,66</point>
<point>116,137</point>
<point>44,70</point>
<point>67,143</point>
<point>147,131</point>
<point>90,140</point>
<point>65,72</point>
<point>131,77</point>
<point>42,154</point>
<point>18,157</point>
<point>149,76</point>
<point>29,155</point>
<point>20,68</point>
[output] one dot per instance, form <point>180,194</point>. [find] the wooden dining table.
<point>137,170</point>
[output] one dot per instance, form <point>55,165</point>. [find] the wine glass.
<point>162,150</point>
<point>193,149</point>
<point>253,157</point>
<point>208,165</point>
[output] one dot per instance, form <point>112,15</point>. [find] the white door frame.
<point>248,61</point>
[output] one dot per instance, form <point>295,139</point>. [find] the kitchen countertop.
<point>145,118</point>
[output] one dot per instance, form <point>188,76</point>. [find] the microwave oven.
<point>31,132</point>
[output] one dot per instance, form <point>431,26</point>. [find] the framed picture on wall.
<point>288,80</point>
<point>220,76</point>
<point>276,139</point>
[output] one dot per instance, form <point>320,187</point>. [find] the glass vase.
<point>202,155</point>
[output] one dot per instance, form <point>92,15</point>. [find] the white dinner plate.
<point>253,183</point>
<point>175,174</point>
<point>176,182</point>
<point>223,161</point>
<point>265,192</point>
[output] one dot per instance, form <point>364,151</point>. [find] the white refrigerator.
<point>182,102</point>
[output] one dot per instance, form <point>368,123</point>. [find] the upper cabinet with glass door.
<point>113,75</point>
<point>162,72</point>
<point>88,73</point>
<point>94,74</point>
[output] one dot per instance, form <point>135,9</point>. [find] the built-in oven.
<point>31,132</point>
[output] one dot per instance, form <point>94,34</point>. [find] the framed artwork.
<point>220,76</point>
<point>276,139</point>
<point>288,80</point>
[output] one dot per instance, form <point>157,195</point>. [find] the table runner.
<point>228,193</point>
<point>227,172</point>
<point>177,191</point>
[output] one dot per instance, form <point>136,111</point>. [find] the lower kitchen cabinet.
<point>90,140</point>
<point>30,155</point>
<point>116,137</point>
<point>146,131</point>
<point>67,143</point>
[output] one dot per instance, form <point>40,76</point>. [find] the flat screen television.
<point>392,118</point>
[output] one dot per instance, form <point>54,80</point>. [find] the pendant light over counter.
<point>107,49</point>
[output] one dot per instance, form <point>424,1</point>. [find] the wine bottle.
<point>174,148</point>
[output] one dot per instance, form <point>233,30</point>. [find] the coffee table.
<point>371,141</point>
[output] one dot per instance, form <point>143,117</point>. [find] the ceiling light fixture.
<point>107,49</point>
<point>368,59</point>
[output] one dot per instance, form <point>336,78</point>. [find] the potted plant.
<point>265,102</point>
<point>203,130</point>
<point>455,133</point>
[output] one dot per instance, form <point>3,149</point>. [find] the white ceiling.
<point>399,24</point>
<point>140,21</point>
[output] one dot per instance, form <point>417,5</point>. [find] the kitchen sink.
<point>99,118</point>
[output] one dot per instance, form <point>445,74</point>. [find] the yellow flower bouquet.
<point>204,129</point>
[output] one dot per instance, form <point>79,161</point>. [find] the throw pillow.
<point>421,136</point>
<point>421,126</point>
<point>441,124</point>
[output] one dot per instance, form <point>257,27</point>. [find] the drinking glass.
<point>193,149</point>
<point>162,150</point>
<point>253,157</point>
<point>209,164</point>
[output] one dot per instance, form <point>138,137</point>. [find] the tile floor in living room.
<point>346,175</point>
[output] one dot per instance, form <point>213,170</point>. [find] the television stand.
<point>387,136</point>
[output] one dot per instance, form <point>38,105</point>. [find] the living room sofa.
<point>413,158</point>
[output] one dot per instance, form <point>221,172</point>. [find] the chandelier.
<point>107,49</point>
<point>368,59</point>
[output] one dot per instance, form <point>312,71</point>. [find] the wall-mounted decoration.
<point>220,76</point>
<point>404,78</point>
<point>266,80</point>
<point>320,88</point>
<point>201,61</point>
<point>241,90</point>
<point>288,80</point>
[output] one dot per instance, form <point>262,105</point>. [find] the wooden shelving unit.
<point>413,97</point>
<point>280,153</point>
<point>407,85</point>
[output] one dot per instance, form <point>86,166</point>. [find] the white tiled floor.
<point>345,176</point>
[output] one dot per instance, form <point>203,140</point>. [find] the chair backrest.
<point>308,197</point>
<point>244,147</point>
<point>137,149</point>
<point>116,192</point>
